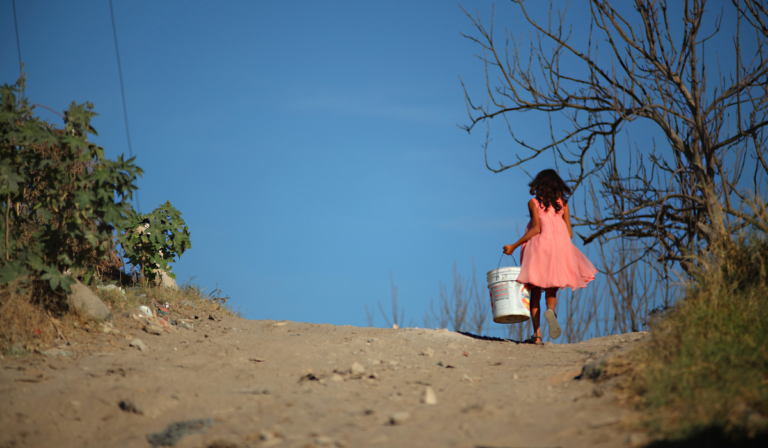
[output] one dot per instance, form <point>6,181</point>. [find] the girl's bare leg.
<point>536,310</point>
<point>550,295</point>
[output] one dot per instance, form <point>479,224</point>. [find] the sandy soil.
<point>240,383</point>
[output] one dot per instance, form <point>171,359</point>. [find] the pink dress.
<point>550,259</point>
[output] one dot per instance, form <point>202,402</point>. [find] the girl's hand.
<point>509,248</point>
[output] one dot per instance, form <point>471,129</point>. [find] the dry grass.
<point>27,324</point>
<point>705,368</point>
<point>23,325</point>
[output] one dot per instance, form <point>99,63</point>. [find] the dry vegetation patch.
<point>704,372</point>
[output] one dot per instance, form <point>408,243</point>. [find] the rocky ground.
<point>229,382</point>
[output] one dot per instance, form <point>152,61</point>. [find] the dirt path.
<point>265,383</point>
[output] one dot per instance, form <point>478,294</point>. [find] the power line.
<point>122,91</point>
<point>18,42</point>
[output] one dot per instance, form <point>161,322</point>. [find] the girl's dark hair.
<point>548,187</point>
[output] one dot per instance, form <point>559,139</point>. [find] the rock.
<point>130,407</point>
<point>429,396</point>
<point>84,300</point>
<point>175,431</point>
<point>594,369</point>
<point>398,418</point>
<point>337,378</point>
<point>395,326</point>
<point>269,438</point>
<point>152,328</point>
<point>140,345</point>
<point>107,327</point>
<point>164,279</point>
<point>428,352</point>
<point>357,369</point>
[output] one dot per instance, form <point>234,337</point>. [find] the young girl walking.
<point>548,258</point>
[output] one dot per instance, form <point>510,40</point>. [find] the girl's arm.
<point>567,219</point>
<point>533,231</point>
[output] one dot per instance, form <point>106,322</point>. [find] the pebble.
<point>357,369</point>
<point>324,441</point>
<point>130,407</point>
<point>337,378</point>
<point>138,343</point>
<point>637,439</point>
<point>428,352</point>
<point>429,396</point>
<point>470,379</point>
<point>398,418</point>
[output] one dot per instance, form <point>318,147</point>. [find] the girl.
<point>548,258</point>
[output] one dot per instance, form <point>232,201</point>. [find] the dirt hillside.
<point>230,382</point>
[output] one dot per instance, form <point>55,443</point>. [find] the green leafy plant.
<point>154,240</point>
<point>61,198</point>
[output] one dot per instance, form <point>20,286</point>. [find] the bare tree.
<point>370,314</point>
<point>646,66</point>
<point>481,310</point>
<point>398,315</point>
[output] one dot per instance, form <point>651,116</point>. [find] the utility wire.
<point>18,42</point>
<point>122,91</point>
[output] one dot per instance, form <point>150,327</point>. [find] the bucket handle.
<point>502,257</point>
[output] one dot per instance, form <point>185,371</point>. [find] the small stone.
<point>130,407</point>
<point>357,369</point>
<point>337,378</point>
<point>470,379</point>
<point>269,438</point>
<point>514,377</point>
<point>429,396</point>
<point>395,326</point>
<point>637,439</point>
<point>394,363</point>
<point>398,418</point>
<point>428,352</point>
<point>324,441</point>
<point>152,328</point>
<point>138,343</point>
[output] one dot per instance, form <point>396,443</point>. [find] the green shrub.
<point>61,198</point>
<point>154,240</point>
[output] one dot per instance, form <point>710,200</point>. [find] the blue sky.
<point>312,147</point>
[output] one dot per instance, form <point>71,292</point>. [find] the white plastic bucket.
<point>510,300</point>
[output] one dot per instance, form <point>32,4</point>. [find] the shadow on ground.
<point>714,437</point>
